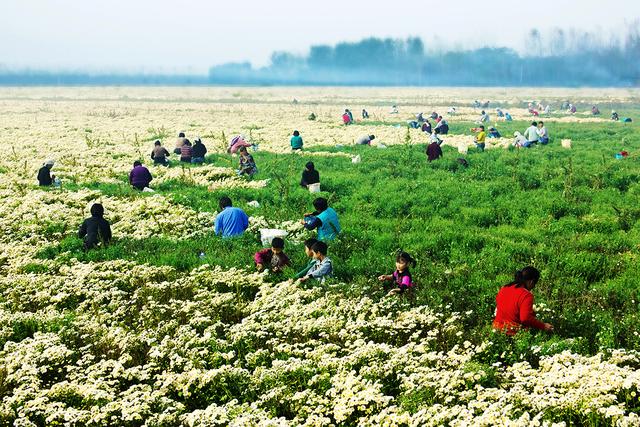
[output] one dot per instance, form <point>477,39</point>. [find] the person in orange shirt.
<point>514,304</point>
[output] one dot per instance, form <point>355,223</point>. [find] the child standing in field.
<point>272,258</point>
<point>401,277</point>
<point>308,250</point>
<point>296,141</point>
<point>322,267</point>
<point>480,138</point>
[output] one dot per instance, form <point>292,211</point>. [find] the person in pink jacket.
<point>237,142</point>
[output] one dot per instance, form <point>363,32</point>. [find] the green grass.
<point>571,213</point>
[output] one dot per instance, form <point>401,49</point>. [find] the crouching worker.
<point>514,304</point>
<point>96,229</point>
<point>139,177</point>
<point>308,246</point>
<point>272,258</point>
<point>325,219</point>
<point>401,277</point>
<point>159,154</point>
<point>322,267</point>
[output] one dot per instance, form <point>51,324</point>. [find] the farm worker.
<point>532,134</point>
<point>159,154</point>
<point>434,151</point>
<point>434,115</point>
<point>572,109</point>
<point>519,140</point>
<point>346,119</point>
<point>480,138</point>
<point>322,267</point>
<point>420,117</point>
<point>401,277</point>
<point>365,114</point>
<point>139,177</point>
<point>426,127</point>
<point>442,126</point>
<point>247,164</point>
<point>394,109</point>
<point>595,111</point>
<point>179,143</point>
<point>230,221</point>
<point>308,245</point>
<point>493,133</point>
<point>309,175</point>
<point>514,304</point>
<point>95,229</point>
<point>435,138</point>
<point>198,151</point>
<point>365,140</point>
<point>484,117</point>
<point>325,219</point>
<point>614,116</point>
<point>350,115</point>
<point>44,174</point>
<point>543,133</point>
<point>508,117</point>
<point>296,141</point>
<point>273,257</point>
<point>499,112</point>
<point>186,152</point>
<point>237,142</point>
<point>547,109</point>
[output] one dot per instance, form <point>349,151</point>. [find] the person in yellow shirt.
<point>480,138</point>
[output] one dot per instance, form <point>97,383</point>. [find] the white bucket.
<point>566,143</point>
<point>314,188</point>
<point>356,159</point>
<point>267,235</point>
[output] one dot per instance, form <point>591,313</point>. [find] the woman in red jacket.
<point>514,304</point>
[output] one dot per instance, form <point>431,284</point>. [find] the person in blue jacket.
<point>325,219</point>
<point>230,221</point>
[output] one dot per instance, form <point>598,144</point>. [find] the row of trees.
<point>558,59</point>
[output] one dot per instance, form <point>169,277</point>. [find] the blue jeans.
<point>480,146</point>
<point>544,141</point>
<point>197,160</point>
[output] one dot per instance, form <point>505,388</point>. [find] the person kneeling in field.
<point>309,175</point>
<point>95,229</point>
<point>139,177</point>
<point>247,164</point>
<point>365,140</point>
<point>296,141</point>
<point>308,245</point>
<point>401,277</point>
<point>325,219</point>
<point>159,154</point>
<point>230,221</point>
<point>433,150</point>
<point>273,257</point>
<point>322,267</point>
<point>514,304</point>
<point>45,178</point>
<point>198,151</point>
<point>179,143</point>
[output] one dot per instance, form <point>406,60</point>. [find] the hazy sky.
<point>191,35</point>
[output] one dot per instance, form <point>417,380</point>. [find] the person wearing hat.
<point>45,178</point>
<point>95,229</point>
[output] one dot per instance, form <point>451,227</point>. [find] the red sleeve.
<point>527,315</point>
<point>261,257</point>
<point>406,281</point>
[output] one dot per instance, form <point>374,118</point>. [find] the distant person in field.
<point>479,139</point>
<point>186,152</point>
<point>565,105</point>
<point>547,110</point>
<point>346,118</point>
<point>519,140</point>
<point>365,140</point>
<point>420,117</point>
<point>308,250</point>
<point>532,134</point>
<point>324,219</point>
<point>435,137</point>
<point>426,127</point>
<point>572,109</point>
<point>595,110</point>
<point>322,267</point>
<point>179,143</point>
<point>365,114</point>
<point>442,126</point>
<point>45,178</point>
<point>433,115</point>
<point>230,221</point>
<point>401,277</point>
<point>198,151</point>
<point>236,143</point>
<point>452,111</point>
<point>309,175</point>
<point>247,164</point>
<point>296,141</point>
<point>394,109</point>
<point>507,117</point>
<point>514,304</point>
<point>614,116</point>
<point>350,114</point>
<point>159,154</point>
<point>499,113</point>
<point>543,133</point>
<point>96,229</point>
<point>272,258</point>
<point>139,177</point>
<point>493,133</point>
<point>484,117</point>
<point>434,151</point>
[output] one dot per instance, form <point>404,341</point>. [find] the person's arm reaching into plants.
<point>528,316</point>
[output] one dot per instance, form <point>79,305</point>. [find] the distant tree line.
<point>563,58</point>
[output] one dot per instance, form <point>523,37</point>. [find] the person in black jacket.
<point>44,174</point>
<point>309,175</point>
<point>198,152</point>
<point>95,229</point>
